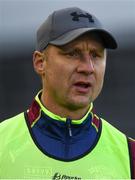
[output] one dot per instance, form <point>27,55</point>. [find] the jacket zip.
<point>68,122</point>
<point>68,137</point>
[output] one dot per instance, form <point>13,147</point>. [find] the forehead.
<point>89,39</point>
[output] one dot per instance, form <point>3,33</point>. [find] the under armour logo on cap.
<point>77,16</point>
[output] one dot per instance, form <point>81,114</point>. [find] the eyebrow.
<point>66,47</point>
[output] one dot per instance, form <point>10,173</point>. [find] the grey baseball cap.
<point>65,25</point>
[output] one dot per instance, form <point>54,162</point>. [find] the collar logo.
<point>77,16</point>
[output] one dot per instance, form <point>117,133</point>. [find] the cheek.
<point>100,76</point>
<point>56,75</point>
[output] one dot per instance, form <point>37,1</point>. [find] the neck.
<point>63,111</point>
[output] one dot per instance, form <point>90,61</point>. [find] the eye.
<point>73,54</point>
<point>94,55</point>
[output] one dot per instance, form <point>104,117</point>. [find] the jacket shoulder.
<point>11,121</point>
<point>112,130</point>
<point>116,137</point>
<point>10,127</point>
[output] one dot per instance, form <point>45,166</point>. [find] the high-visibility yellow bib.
<point>21,158</point>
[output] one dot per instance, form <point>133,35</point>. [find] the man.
<point>59,137</point>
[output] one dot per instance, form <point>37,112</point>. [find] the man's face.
<point>73,73</point>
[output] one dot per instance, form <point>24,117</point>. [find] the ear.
<point>38,62</point>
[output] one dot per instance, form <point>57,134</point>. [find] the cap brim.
<point>108,39</point>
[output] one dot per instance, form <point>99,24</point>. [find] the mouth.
<point>82,87</point>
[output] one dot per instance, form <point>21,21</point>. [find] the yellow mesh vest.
<point>20,157</point>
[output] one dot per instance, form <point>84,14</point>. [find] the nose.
<point>86,65</point>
